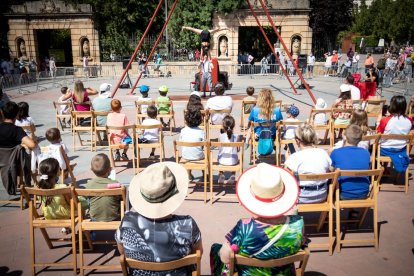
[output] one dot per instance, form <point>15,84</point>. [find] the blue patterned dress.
<point>251,235</point>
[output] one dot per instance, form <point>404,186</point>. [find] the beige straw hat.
<point>159,189</point>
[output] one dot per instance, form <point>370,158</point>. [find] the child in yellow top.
<point>56,207</point>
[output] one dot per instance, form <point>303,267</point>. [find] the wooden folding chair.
<point>374,108</point>
<point>169,116</point>
<point>280,142</point>
<point>373,142</point>
<point>215,166</point>
<point>139,115</point>
<point>336,126</point>
<point>98,141</point>
<point>59,117</point>
<point>324,127</point>
<point>131,131</point>
<point>245,115</point>
<point>386,159</point>
<point>210,126</point>
<point>78,128</point>
<point>201,165</point>
<point>38,221</point>
<point>87,225</point>
<point>46,152</point>
<point>326,207</point>
<point>192,259</point>
<point>370,202</point>
<point>302,256</point>
<point>159,144</point>
<point>253,144</point>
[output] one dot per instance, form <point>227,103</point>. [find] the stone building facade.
<point>25,19</point>
<point>290,16</point>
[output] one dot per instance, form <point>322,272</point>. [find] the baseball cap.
<point>293,110</point>
<point>144,88</point>
<point>163,88</point>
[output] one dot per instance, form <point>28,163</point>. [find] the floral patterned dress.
<point>251,236</point>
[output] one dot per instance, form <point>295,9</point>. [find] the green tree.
<point>389,19</point>
<point>327,19</point>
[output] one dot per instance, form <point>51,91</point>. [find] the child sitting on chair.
<point>144,90</point>
<point>64,109</point>
<point>248,107</point>
<point>192,133</point>
<point>227,156</point>
<point>151,135</point>
<point>352,157</point>
<point>102,208</point>
<point>53,150</point>
<point>292,113</point>
<point>118,137</point>
<point>163,108</point>
<point>58,206</point>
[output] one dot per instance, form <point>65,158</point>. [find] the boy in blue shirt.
<point>352,157</point>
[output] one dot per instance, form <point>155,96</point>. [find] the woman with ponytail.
<point>228,155</point>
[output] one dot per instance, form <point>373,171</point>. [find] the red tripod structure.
<point>258,23</point>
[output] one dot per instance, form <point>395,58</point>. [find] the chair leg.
<point>32,249</point>
<point>322,219</point>
<point>211,186</point>
<point>376,226</point>
<point>362,217</point>
<point>330,226</point>
<point>81,257</point>
<point>47,238</point>
<point>74,257</point>
<point>406,181</point>
<point>338,228</point>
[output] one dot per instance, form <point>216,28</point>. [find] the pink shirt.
<point>82,106</point>
<point>117,119</point>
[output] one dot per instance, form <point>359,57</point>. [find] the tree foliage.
<point>327,19</point>
<point>388,19</point>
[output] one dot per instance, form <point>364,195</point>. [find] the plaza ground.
<point>396,209</point>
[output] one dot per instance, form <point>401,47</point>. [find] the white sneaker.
<point>221,179</point>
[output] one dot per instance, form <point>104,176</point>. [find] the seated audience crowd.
<point>151,232</point>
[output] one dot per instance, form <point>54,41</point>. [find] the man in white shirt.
<point>206,67</point>
<point>355,92</point>
<point>311,63</point>
<point>355,61</point>
<point>219,102</point>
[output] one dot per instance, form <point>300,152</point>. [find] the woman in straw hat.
<point>151,232</point>
<point>309,159</point>
<point>273,231</point>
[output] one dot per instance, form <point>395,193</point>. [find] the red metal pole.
<point>155,45</point>
<point>272,49</point>
<point>287,51</point>
<point>137,48</point>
